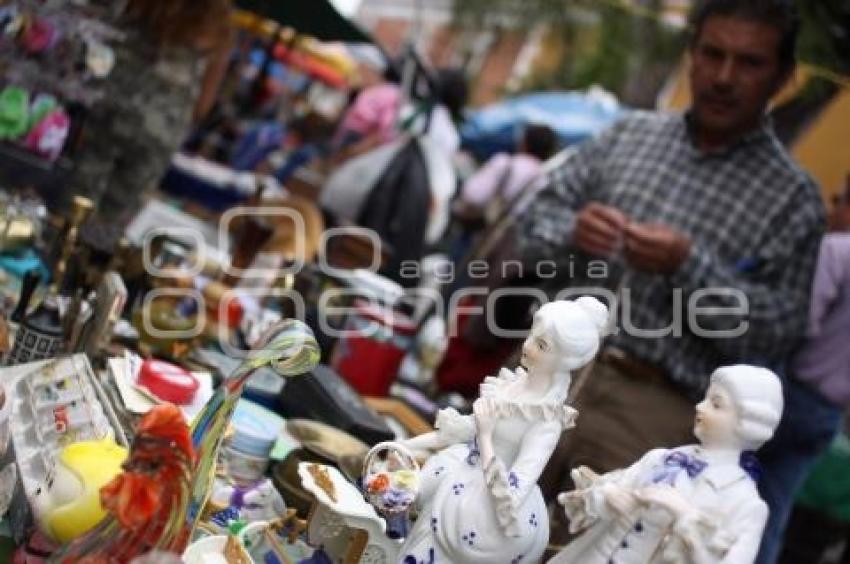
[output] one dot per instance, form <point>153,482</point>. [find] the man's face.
<point>735,71</point>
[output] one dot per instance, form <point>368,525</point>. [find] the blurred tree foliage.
<point>825,39</point>
<point>824,42</point>
<point>631,52</point>
<point>520,13</point>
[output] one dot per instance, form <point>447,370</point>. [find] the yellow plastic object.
<point>93,464</point>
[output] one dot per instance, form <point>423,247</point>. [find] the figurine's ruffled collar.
<point>495,390</point>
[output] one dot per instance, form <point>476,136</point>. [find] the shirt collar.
<point>723,469</point>
<point>762,132</point>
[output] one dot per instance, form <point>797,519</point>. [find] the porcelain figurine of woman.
<point>479,500</point>
<point>693,504</point>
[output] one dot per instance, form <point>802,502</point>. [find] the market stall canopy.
<point>574,116</point>
<point>313,66</point>
<point>317,18</point>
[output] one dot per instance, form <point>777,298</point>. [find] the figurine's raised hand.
<point>484,419</point>
<point>620,500</point>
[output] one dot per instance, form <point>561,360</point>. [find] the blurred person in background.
<point>487,193</point>
<point>504,175</point>
<point>446,109</point>
<point>371,118</point>
<point>166,75</point>
<point>380,113</point>
<point>817,390</point>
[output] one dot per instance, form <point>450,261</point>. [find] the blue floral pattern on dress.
<point>474,454</point>
<point>513,480</point>
<point>411,559</point>
<point>396,498</point>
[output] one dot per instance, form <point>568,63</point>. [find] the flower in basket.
<point>397,500</point>
<point>406,480</point>
<point>380,483</point>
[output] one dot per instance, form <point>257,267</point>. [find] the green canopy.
<point>317,18</point>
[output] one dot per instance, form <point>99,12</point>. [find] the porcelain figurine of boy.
<point>479,499</point>
<point>693,504</point>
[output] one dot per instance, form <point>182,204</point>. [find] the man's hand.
<point>656,249</point>
<point>599,229</point>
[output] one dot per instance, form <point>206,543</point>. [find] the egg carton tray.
<point>55,402</point>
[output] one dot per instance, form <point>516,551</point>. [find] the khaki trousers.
<point>622,415</point>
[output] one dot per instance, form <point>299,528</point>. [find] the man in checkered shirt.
<point>707,204</point>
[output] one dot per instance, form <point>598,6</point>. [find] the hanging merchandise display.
<point>61,48</point>
<point>55,60</point>
<point>41,127</point>
<point>100,58</point>
<point>14,112</point>
<point>38,35</point>
<point>47,137</point>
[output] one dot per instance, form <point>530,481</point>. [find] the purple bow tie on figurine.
<point>674,463</point>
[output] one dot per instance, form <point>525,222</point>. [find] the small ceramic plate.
<point>137,400</point>
<point>325,440</point>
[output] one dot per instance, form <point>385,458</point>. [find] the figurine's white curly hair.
<point>577,328</point>
<point>757,396</point>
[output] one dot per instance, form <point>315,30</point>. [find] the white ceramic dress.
<point>724,497</point>
<point>469,514</point>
